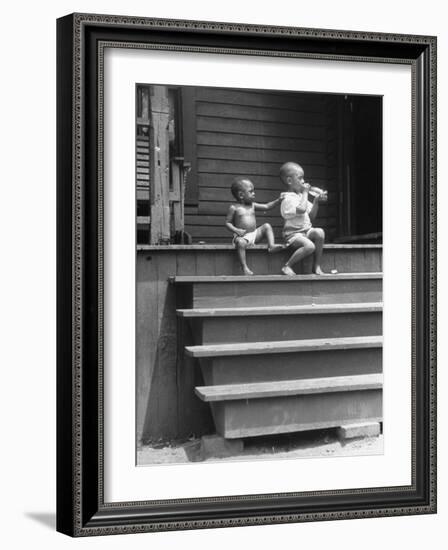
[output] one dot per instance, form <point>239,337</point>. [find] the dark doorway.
<point>362,172</point>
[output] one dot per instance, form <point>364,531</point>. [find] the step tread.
<point>284,346</point>
<point>203,247</point>
<point>183,279</point>
<point>286,388</point>
<point>281,310</point>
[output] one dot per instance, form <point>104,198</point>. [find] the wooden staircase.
<point>285,354</point>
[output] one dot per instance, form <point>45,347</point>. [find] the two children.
<point>297,211</point>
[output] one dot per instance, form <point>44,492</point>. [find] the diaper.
<point>249,237</point>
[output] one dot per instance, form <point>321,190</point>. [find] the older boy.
<point>299,213</point>
<point>241,221</point>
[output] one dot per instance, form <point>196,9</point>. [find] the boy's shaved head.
<point>237,186</point>
<point>287,169</point>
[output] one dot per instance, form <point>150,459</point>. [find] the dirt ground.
<point>319,443</point>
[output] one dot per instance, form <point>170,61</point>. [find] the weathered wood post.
<point>160,206</point>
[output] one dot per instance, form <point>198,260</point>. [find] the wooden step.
<point>296,413</point>
<point>276,414</point>
<point>286,346</point>
<point>279,290</point>
<point>281,310</point>
<point>252,324</point>
<point>189,279</point>
<point>221,259</point>
<point>231,392</point>
<point>233,369</point>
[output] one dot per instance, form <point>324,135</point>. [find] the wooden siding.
<point>252,133</point>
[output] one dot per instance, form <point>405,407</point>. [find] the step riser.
<point>290,366</point>
<point>223,330</point>
<point>249,418</point>
<point>257,294</point>
<point>353,261</point>
<point>262,263</point>
<point>225,262</point>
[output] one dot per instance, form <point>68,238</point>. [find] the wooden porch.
<point>207,336</point>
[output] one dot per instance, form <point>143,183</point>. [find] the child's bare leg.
<point>265,230</point>
<point>241,245</point>
<point>317,235</point>
<point>303,247</point>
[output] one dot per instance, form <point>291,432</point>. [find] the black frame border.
<point>81,39</point>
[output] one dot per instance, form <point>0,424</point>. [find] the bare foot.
<point>286,270</point>
<point>247,271</point>
<point>275,248</point>
<point>318,271</point>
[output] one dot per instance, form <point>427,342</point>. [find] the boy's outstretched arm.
<point>229,222</point>
<point>268,205</point>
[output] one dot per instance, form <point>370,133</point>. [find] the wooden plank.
<point>177,196</point>
<point>219,220</point>
<point>221,231</point>
<point>254,168</point>
<point>189,137</point>
<point>248,127</point>
<point>274,261</point>
<point>284,388</point>
<point>287,346</point>
<point>217,330</point>
<point>143,195</point>
<point>146,338</point>
<point>258,155</point>
<point>315,309</point>
<point>271,182</point>
<point>186,262</point>
<point>166,359</point>
<point>255,141</point>
<point>368,259</point>
<point>219,204</point>
<point>272,278</point>
<point>263,98</point>
<point>259,113</point>
<point>295,292</point>
<point>219,210</point>
<point>205,264</point>
<point>329,247</point>
<point>254,417</point>
<point>292,366</point>
<point>224,263</point>
<point>160,209</point>
<point>143,220</point>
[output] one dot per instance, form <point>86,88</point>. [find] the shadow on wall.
<point>173,410</point>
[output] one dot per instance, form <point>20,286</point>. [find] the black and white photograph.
<point>259,225</point>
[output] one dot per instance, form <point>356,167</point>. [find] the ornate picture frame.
<point>81,506</point>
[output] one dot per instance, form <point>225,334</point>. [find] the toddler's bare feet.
<point>318,271</point>
<point>247,271</point>
<point>275,248</point>
<point>286,270</point>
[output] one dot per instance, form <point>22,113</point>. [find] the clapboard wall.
<point>252,133</point>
